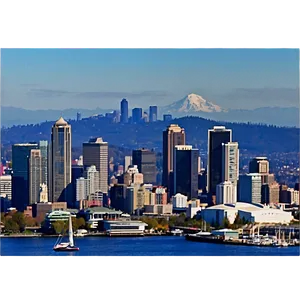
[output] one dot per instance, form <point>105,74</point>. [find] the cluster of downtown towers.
<point>50,166</point>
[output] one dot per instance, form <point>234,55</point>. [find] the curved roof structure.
<point>61,122</point>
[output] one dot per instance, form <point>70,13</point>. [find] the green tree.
<point>19,218</point>
<point>59,226</point>
<point>11,226</point>
<point>152,223</point>
<point>80,223</point>
<point>29,221</point>
<point>2,217</point>
<point>226,223</point>
<point>163,222</point>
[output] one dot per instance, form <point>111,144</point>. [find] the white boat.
<point>80,233</point>
<point>66,246</point>
<point>203,233</point>
<point>177,232</point>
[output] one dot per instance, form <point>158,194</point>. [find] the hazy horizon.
<point>62,79</point>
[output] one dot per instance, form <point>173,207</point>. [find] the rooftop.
<point>61,122</point>
<point>97,140</point>
<point>100,209</point>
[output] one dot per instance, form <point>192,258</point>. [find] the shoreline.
<point>238,242</point>
<point>99,234</point>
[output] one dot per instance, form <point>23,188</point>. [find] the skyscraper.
<point>260,165</point>
<point>146,163</point>
<point>124,111</point>
<point>95,152</point>
<point>127,162</point>
<point>60,162</point>
<point>20,176</point>
<point>92,175</point>
<point>216,137</point>
<point>35,175</point>
<point>186,171</point>
<point>250,188</point>
<point>172,136</point>
<point>152,113</point>
<point>78,116</point>
<point>43,145</point>
<point>137,114</point>
<point>230,166</point>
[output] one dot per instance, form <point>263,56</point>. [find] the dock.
<point>239,242</point>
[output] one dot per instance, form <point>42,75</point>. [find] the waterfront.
<point>135,246</point>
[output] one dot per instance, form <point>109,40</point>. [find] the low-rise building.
<point>226,233</point>
<point>158,209</point>
<point>194,208</point>
<point>39,210</point>
<point>57,215</point>
<point>122,227</point>
<point>256,213</point>
<point>94,215</point>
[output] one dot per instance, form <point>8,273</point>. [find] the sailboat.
<point>66,246</point>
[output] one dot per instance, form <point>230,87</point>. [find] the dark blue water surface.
<point>135,246</point>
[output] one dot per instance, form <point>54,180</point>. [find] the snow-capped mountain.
<point>193,103</point>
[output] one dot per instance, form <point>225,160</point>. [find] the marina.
<point>231,237</point>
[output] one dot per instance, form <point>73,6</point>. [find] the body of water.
<point>135,246</point>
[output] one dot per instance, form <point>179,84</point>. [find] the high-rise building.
<point>77,172</point>
<point>283,193</point>
<point>186,171</point>
<point>137,114</point>
<point>5,186</point>
<point>82,189</point>
<point>226,193</point>
<point>20,176</point>
<point>172,136</point>
<point>250,188</point>
<point>124,111</point>
<point>95,152</point>
<point>216,137</point>
<point>35,175</point>
<point>260,165</point>
<point>152,113</point>
<point>167,118</point>
<point>92,175</point>
<point>78,116</point>
<point>43,145</point>
<point>118,196</point>
<point>127,162</point>
<point>230,162</point>
<point>60,162</point>
<point>146,164</point>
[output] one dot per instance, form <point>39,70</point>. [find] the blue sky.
<point>90,78</point>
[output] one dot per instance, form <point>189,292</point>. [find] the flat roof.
<point>124,222</point>
<point>101,209</point>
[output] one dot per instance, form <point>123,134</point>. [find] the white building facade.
<point>5,186</point>
<point>226,193</point>
<point>93,179</point>
<point>82,188</point>
<point>257,213</point>
<point>179,201</point>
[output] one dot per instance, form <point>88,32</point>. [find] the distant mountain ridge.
<point>190,105</point>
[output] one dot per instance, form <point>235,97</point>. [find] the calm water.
<point>135,246</point>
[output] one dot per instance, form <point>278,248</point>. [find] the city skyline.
<point>91,78</point>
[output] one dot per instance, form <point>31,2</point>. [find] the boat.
<point>80,233</point>
<point>177,232</point>
<point>66,246</point>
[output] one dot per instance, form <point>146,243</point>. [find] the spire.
<point>61,121</point>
